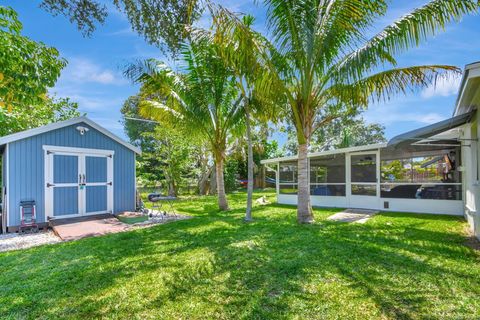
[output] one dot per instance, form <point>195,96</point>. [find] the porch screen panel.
<point>364,168</point>
<point>364,175</point>
<point>428,177</point>
<point>288,177</point>
<point>327,176</point>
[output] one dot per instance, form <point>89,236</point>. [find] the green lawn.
<point>217,267</point>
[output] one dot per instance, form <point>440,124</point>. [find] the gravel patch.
<point>15,241</point>
<point>159,218</point>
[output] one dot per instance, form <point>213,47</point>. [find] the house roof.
<point>326,153</point>
<point>61,124</point>
<point>411,137</point>
<point>469,94</point>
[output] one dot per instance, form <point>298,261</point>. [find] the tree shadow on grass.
<point>271,268</point>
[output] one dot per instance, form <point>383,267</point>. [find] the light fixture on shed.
<point>82,130</point>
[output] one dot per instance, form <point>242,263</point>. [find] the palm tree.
<point>328,69</point>
<point>241,49</point>
<point>201,99</point>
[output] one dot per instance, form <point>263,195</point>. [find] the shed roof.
<point>57,125</point>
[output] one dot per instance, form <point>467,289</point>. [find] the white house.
<point>434,169</point>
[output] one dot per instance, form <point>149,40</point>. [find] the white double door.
<point>78,181</point>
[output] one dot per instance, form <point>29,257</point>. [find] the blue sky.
<point>94,78</point>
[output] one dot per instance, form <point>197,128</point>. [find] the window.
<point>327,176</point>
<point>428,177</point>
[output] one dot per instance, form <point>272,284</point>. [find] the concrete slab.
<point>353,215</point>
<point>90,228</point>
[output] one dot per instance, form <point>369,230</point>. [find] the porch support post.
<point>348,178</point>
<point>277,179</point>
<point>378,172</point>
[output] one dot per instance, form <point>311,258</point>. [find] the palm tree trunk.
<point>304,209</point>
<point>203,181</point>
<point>222,197</point>
<point>212,188</point>
<point>172,190</point>
<point>248,213</point>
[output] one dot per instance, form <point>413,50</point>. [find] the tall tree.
<point>174,152</point>
<point>52,110</point>
<point>201,99</point>
<point>164,23</point>
<point>135,127</point>
<point>241,49</point>
<point>328,69</point>
<point>27,68</point>
<point>339,133</point>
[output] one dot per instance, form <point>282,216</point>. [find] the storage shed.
<point>71,168</point>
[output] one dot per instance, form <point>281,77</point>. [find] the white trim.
<point>97,184</point>
<point>48,178</point>
<point>81,154</point>
<point>470,209</point>
<point>422,183</point>
<point>472,70</point>
<point>7,185</point>
<point>277,179</point>
<point>74,151</point>
<point>135,181</point>
<point>77,215</point>
<point>66,123</point>
<point>110,188</point>
<point>371,147</point>
<point>428,206</point>
<point>82,190</point>
<point>328,183</point>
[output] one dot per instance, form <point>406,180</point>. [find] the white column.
<point>348,178</point>
<point>377,155</point>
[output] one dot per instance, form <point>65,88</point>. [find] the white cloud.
<point>82,70</point>
<point>444,87</point>
<point>390,117</point>
<point>109,123</point>
<point>122,32</point>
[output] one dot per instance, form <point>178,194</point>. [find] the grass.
<point>215,266</point>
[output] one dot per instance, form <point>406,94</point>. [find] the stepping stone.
<point>353,215</point>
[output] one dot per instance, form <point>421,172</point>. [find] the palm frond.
<point>407,32</point>
<point>382,86</point>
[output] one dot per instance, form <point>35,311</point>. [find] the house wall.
<point>3,189</point>
<point>471,152</point>
<point>448,207</point>
<point>429,206</point>
<point>26,168</point>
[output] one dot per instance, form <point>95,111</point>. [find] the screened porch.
<point>418,171</point>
